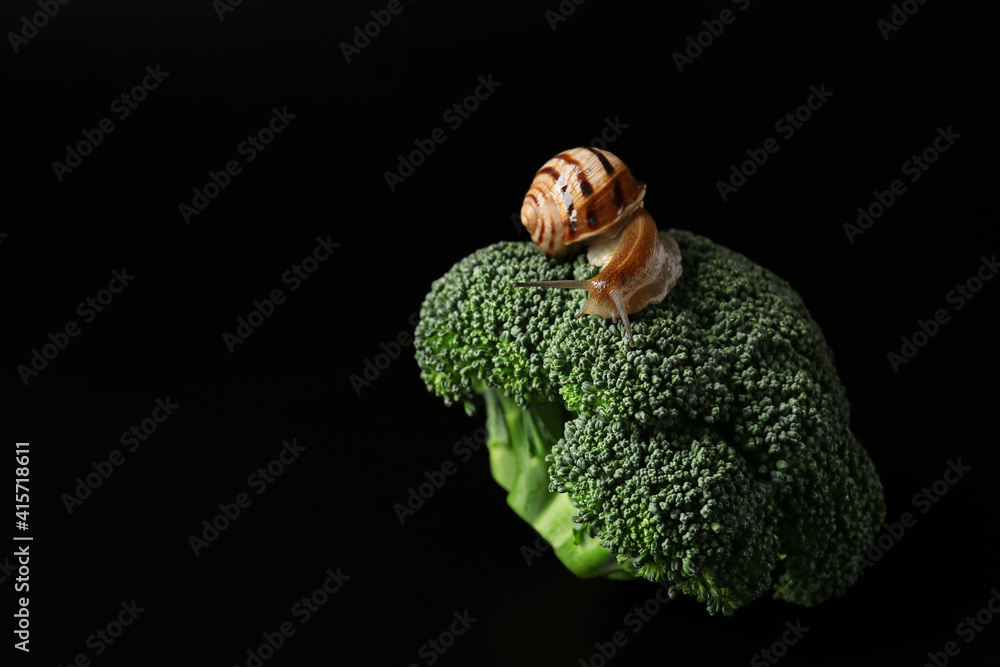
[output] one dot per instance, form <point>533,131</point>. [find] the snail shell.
<point>585,197</point>
<point>576,196</point>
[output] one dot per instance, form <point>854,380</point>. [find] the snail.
<point>585,197</point>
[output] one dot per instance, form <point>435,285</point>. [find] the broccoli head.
<point>716,455</point>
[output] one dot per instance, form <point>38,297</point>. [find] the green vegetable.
<point>716,455</point>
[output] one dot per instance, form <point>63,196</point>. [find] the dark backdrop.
<point>106,544</point>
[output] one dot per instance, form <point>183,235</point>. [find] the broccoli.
<point>715,456</point>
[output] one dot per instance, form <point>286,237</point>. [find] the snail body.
<point>588,198</point>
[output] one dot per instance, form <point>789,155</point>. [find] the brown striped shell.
<point>578,195</point>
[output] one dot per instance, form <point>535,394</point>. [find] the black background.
<point>367,445</point>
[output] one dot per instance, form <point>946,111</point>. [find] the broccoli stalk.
<point>519,441</point>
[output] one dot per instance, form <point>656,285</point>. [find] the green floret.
<point>684,508</point>
<point>715,455</point>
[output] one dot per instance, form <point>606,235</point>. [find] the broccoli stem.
<point>519,440</point>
